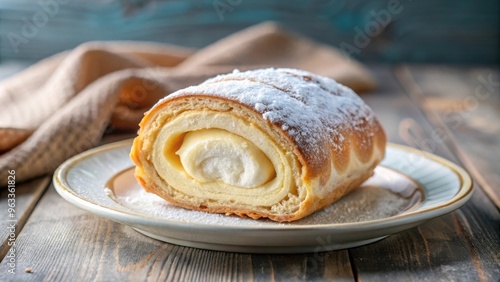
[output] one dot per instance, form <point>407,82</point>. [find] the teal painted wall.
<point>448,31</point>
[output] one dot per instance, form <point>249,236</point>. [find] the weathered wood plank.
<point>26,196</point>
<point>30,31</point>
<point>310,267</point>
<point>455,247</point>
<point>461,246</point>
<point>464,103</point>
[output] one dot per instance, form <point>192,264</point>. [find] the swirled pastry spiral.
<point>273,143</point>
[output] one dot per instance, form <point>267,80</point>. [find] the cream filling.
<point>218,155</point>
<point>176,154</point>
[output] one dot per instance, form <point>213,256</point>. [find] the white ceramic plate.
<point>408,188</point>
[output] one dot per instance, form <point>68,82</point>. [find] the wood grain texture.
<point>421,31</point>
<point>461,246</point>
<point>465,104</point>
<point>27,195</point>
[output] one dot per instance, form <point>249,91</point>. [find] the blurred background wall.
<point>447,31</point>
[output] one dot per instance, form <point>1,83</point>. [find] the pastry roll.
<point>269,143</point>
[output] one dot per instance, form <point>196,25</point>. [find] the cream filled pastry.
<point>219,155</point>
<point>272,143</point>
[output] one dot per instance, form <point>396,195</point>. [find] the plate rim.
<point>132,217</point>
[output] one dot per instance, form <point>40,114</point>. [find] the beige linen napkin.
<point>62,105</point>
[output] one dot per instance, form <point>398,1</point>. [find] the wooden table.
<point>453,112</point>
